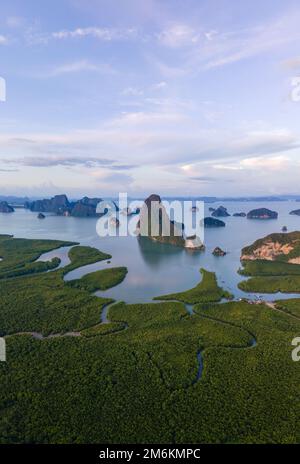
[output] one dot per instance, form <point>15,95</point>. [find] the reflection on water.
<point>153,268</point>
<point>155,253</point>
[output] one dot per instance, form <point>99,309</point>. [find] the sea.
<point>156,269</point>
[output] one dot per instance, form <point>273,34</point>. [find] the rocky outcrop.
<point>219,252</point>
<point>86,207</point>
<point>194,243</point>
<point>262,213</point>
<point>295,212</point>
<point>280,247</point>
<point>155,223</point>
<point>60,205</point>
<point>220,212</point>
<point>212,222</point>
<point>5,207</point>
<point>239,215</point>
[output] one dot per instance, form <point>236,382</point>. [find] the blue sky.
<point>176,97</point>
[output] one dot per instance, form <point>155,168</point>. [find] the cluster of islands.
<point>196,366</point>
<point>87,207</point>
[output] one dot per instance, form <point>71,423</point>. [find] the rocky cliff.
<point>221,211</point>
<point>60,205</point>
<point>155,223</point>
<point>279,247</point>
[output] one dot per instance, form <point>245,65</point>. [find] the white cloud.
<point>160,85</point>
<point>105,34</point>
<point>79,66</point>
<point>3,40</point>
<point>227,167</point>
<point>274,163</point>
<point>178,35</point>
<point>14,21</point>
<point>132,91</point>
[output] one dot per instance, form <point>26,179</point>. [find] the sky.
<point>176,97</point>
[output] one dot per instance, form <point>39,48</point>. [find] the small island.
<point>262,213</point>
<point>165,230</point>
<point>239,215</point>
<point>221,211</point>
<point>295,212</point>
<point>212,222</point>
<point>219,252</point>
<point>61,206</point>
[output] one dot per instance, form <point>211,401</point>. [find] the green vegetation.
<point>137,378</point>
<point>274,284</point>
<point>140,385</point>
<point>18,253</point>
<point>32,268</point>
<point>44,302</point>
<point>206,291</point>
<point>272,276</point>
<point>262,267</point>
<point>100,280</point>
<point>83,255</point>
<point>103,329</point>
<point>291,306</point>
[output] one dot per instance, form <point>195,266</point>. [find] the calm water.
<point>155,269</point>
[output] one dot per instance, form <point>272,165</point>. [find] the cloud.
<point>158,139</point>
<point>42,162</point>
<point>3,40</point>
<point>15,21</point>
<point>227,167</point>
<point>118,178</point>
<point>160,85</point>
<point>178,35</point>
<point>132,91</point>
<point>53,161</point>
<point>104,34</point>
<point>208,179</point>
<point>257,163</point>
<point>202,50</point>
<point>122,167</point>
<point>144,118</point>
<point>275,163</point>
<point>168,70</point>
<point>79,66</point>
<point>292,63</point>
